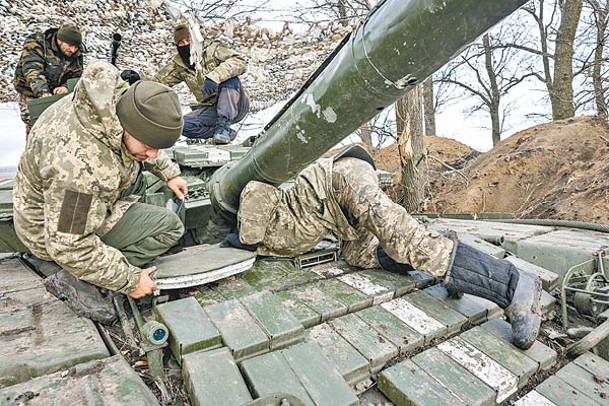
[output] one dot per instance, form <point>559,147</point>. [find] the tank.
<point>230,328</point>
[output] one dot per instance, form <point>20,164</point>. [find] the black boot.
<point>482,275</point>
<point>82,297</point>
<point>389,264</point>
<point>223,131</point>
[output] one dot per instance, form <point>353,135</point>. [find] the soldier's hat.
<point>355,151</point>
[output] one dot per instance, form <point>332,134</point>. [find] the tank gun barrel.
<point>399,44</point>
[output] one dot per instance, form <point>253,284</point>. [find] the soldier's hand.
<point>209,88</point>
<point>60,90</point>
<point>178,186</point>
<point>45,94</point>
<point>146,285</point>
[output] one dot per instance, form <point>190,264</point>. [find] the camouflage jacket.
<point>303,215</point>
<point>43,67</point>
<point>219,63</point>
<point>70,177</point>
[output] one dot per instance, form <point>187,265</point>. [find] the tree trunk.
<point>561,94</point>
<point>601,12</point>
<point>365,134</point>
<point>429,107</point>
<point>409,121</point>
<point>493,90</point>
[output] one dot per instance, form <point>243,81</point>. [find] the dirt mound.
<point>556,170</point>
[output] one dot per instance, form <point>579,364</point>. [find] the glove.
<point>130,76</point>
<point>209,88</point>
<point>232,240</point>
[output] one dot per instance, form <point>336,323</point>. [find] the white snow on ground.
<point>12,135</point>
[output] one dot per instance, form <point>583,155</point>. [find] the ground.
<point>558,170</point>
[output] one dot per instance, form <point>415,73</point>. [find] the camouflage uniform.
<point>43,67</point>
<point>220,64</point>
<point>70,186</point>
<point>342,197</point>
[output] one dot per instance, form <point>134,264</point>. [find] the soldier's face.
<point>138,149</point>
<point>184,41</point>
<point>67,49</point>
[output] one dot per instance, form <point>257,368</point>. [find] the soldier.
<point>221,99</point>
<point>341,195</point>
<point>48,60</point>
<point>79,183</point>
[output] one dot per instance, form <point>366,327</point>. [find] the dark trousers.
<point>232,103</point>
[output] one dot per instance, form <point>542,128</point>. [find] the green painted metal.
<point>408,384</point>
<point>110,381</point>
<point>324,385</point>
<point>346,360</point>
<point>279,325</point>
<point>542,354</point>
<point>502,352</point>
<point>398,45</point>
<point>458,380</point>
<point>271,373</point>
<point>191,329</point>
<point>213,378</point>
<point>372,345</point>
<point>240,332</point>
<point>392,328</point>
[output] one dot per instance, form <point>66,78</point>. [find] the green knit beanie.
<point>70,34</point>
<point>151,113</point>
<point>180,32</point>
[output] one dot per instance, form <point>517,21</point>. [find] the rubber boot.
<point>389,264</point>
<point>480,274</point>
<point>524,311</point>
<point>82,297</point>
<point>223,132</point>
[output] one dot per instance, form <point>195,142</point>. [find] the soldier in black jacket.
<point>47,61</point>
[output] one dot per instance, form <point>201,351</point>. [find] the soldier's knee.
<point>174,228</point>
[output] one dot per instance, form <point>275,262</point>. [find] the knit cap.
<point>70,34</point>
<point>151,113</point>
<point>180,32</point>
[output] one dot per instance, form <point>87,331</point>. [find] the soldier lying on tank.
<point>79,183</point>
<point>47,61</point>
<point>341,195</point>
<point>221,99</point>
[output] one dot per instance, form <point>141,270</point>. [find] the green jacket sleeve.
<point>72,217</point>
<point>163,167</point>
<point>230,63</point>
<point>169,75</point>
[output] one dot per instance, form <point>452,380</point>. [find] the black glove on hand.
<point>209,88</point>
<point>130,76</point>
<point>232,240</point>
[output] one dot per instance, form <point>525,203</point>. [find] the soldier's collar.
<point>126,155</point>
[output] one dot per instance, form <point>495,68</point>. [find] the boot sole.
<point>56,286</point>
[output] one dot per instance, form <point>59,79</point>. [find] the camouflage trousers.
<point>144,232</point>
<point>378,220</point>
<point>22,101</point>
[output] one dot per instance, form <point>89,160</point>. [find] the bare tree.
<point>429,108</point>
<point>341,11</point>
<point>592,57</point>
<point>556,24</point>
<point>561,93</point>
<point>488,71</point>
